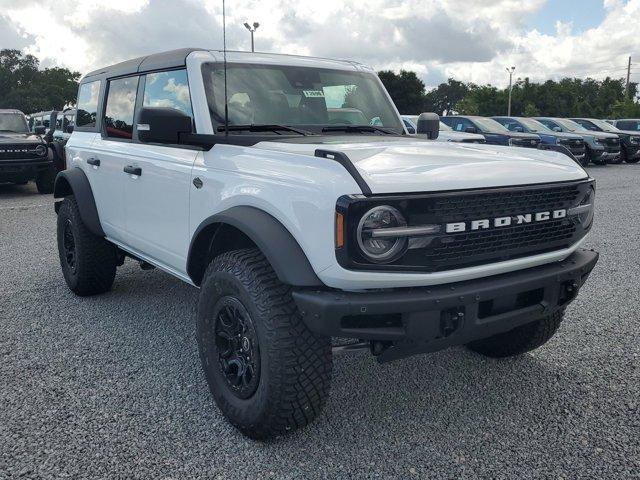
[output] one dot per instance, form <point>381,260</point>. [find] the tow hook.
<point>450,321</point>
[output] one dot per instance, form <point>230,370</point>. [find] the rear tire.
<point>45,180</point>
<point>519,340</point>
<point>88,261</point>
<point>268,373</point>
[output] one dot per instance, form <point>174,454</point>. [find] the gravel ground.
<point>111,386</point>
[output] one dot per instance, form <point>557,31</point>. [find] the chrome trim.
<point>405,231</point>
<point>579,209</point>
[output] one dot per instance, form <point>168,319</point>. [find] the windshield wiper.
<point>264,128</point>
<point>359,129</point>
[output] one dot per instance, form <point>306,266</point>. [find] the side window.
<point>88,104</point>
<point>168,90</point>
<point>121,103</point>
<point>548,123</point>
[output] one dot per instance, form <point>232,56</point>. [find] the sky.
<point>469,40</point>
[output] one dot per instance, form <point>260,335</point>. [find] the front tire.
<point>45,180</point>
<point>519,340</point>
<point>625,157</point>
<point>268,373</point>
<point>88,261</point>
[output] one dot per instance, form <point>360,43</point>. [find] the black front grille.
<point>527,142</point>
<point>522,236</point>
<point>577,147</point>
<point>19,152</point>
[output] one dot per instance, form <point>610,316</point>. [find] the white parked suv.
<point>299,225</point>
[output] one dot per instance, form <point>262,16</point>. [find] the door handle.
<point>133,170</point>
<point>93,161</point>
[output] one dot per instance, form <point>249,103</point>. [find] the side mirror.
<point>39,130</point>
<point>556,129</point>
<point>471,130</point>
<point>429,125</point>
<point>70,128</point>
<point>162,125</point>
<point>518,128</point>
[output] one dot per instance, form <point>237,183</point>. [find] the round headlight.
<point>376,247</point>
<point>41,150</point>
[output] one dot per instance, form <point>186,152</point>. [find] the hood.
<point>411,165</point>
<point>633,133</point>
<point>10,138</point>
<point>566,135</point>
<point>458,136</point>
<point>602,135</point>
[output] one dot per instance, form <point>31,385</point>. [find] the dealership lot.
<point>112,385</point>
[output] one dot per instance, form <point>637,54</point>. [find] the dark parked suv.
<point>493,132</point>
<point>602,148</point>
<point>24,155</point>
<point>572,142</point>
<point>629,139</point>
<point>629,124</point>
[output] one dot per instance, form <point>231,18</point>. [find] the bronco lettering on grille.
<point>485,223</point>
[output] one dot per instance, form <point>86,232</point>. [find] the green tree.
<point>625,109</point>
<point>445,97</point>
<point>530,110</point>
<point>406,90</point>
<point>27,88</point>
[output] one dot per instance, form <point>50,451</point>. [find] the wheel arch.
<point>74,182</point>
<point>242,227</point>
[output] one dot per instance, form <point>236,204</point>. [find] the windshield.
<point>13,122</point>
<point>490,125</point>
<point>570,125</point>
<point>533,125</point>
<point>299,97</point>
<point>607,127</point>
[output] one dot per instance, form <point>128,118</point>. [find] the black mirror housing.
<point>429,125</point>
<point>70,128</point>
<point>39,130</point>
<point>162,125</point>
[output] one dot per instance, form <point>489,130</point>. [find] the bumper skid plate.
<point>427,319</point>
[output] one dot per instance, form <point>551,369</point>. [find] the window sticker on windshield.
<point>313,93</point>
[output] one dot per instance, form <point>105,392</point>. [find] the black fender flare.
<point>74,182</point>
<point>272,238</point>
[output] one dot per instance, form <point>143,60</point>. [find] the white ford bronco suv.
<point>299,226</point>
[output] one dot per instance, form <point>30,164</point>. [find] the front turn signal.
<point>339,230</point>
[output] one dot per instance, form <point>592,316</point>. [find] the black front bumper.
<point>418,320</point>
<point>22,169</point>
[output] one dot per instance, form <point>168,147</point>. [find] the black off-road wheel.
<point>88,261</point>
<point>625,157</point>
<point>45,179</point>
<point>519,340</point>
<point>268,373</point>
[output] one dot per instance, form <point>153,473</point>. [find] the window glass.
<point>310,98</point>
<point>88,104</point>
<point>13,122</point>
<point>169,90</point>
<point>121,104</point>
<point>628,124</point>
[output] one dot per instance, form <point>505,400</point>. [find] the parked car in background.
<point>39,119</point>
<point>572,142</point>
<point>629,140</point>
<point>64,125</point>
<point>446,133</point>
<point>602,148</point>
<point>57,137</point>
<point>629,124</point>
<point>493,132</point>
<point>23,154</point>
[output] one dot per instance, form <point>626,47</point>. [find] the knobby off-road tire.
<point>244,308</point>
<point>45,180</point>
<point>88,261</point>
<point>519,340</point>
<point>625,157</point>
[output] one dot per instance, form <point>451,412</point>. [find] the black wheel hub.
<point>237,345</point>
<point>69,245</point>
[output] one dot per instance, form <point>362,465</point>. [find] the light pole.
<point>510,71</point>
<point>252,29</point>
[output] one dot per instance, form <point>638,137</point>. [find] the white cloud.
<point>472,40</point>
